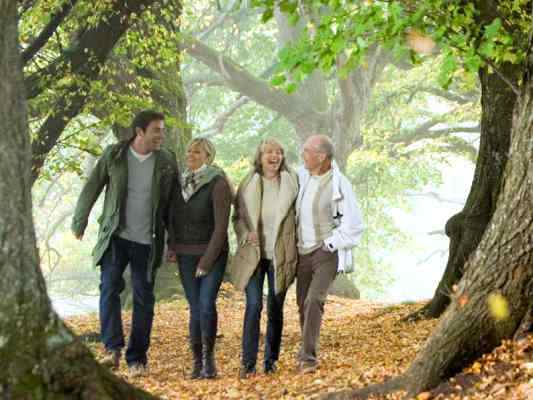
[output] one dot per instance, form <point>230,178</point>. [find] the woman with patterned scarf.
<point>198,240</point>
<point>265,225</point>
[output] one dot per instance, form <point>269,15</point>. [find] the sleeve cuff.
<point>329,245</point>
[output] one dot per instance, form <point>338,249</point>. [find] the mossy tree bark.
<point>41,357</point>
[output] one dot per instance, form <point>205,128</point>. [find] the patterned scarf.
<point>192,181</point>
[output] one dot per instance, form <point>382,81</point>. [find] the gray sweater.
<point>138,221</point>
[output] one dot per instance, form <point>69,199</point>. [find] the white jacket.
<point>346,216</point>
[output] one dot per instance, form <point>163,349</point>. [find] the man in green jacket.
<point>138,176</point>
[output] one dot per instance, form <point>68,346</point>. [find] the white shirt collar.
<point>140,157</point>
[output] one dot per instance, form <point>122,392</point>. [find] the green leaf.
<point>492,29</point>
<point>362,43</point>
<point>338,44</point>
<point>278,80</point>
<point>291,87</point>
<point>448,68</point>
<point>267,15</point>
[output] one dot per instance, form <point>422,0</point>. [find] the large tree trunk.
<point>466,228</point>
<point>502,265</point>
<point>41,358</point>
<point>500,271</point>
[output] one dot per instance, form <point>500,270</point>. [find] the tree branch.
<point>435,196</point>
<point>439,252</point>
<point>293,107</point>
<point>424,131</point>
<point>219,21</point>
<point>86,59</point>
<point>24,6</point>
<point>55,20</point>
<point>205,79</point>
<point>222,119</point>
<point>502,76</point>
<point>441,232</point>
<point>471,96</point>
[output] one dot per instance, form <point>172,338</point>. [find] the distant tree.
<point>230,63</point>
<point>484,38</point>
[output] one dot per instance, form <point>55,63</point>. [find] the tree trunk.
<point>502,265</point>
<point>495,294</point>
<point>41,357</point>
<point>466,228</point>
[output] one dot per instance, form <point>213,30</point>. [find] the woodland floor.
<point>361,343</point>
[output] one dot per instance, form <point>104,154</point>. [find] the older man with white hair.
<point>329,226</point>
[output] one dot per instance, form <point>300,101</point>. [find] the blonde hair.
<point>205,145</point>
<point>257,166</point>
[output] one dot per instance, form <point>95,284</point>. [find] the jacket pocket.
<point>243,265</point>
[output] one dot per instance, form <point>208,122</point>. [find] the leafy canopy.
<point>340,33</point>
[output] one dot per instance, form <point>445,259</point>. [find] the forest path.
<point>362,342</point>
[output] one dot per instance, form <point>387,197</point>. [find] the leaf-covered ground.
<point>361,343</point>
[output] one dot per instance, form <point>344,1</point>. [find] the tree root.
<point>418,315</point>
<point>526,326</point>
<point>64,370</point>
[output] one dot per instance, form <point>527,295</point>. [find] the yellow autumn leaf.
<point>498,306</point>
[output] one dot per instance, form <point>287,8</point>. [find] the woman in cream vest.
<point>265,225</point>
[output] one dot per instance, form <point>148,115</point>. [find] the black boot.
<point>196,349</point>
<point>247,371</point>
<point>209,370</point>
<point>270,367</point>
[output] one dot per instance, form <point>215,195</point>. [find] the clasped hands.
<point>171,257</point>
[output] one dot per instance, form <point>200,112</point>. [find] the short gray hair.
<point>325,146</point>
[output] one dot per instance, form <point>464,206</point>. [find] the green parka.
<point>111,172</point>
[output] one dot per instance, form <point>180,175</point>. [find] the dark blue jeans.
<point>119,253</point>
<point>201,293</point>
<point>252,317</point>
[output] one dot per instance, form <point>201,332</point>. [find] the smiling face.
<point>271,159</point>
<point>153,136</point>
<point>195,157</point>
<point>312,155</point>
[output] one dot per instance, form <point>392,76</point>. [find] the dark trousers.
<point>201,293</point>
<point>119,254</point>
<point>315,274</point>
<point>252,317</point>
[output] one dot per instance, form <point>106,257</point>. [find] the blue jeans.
<point>201,293</point>
<point>117,256</point>
<point>252,317</point>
